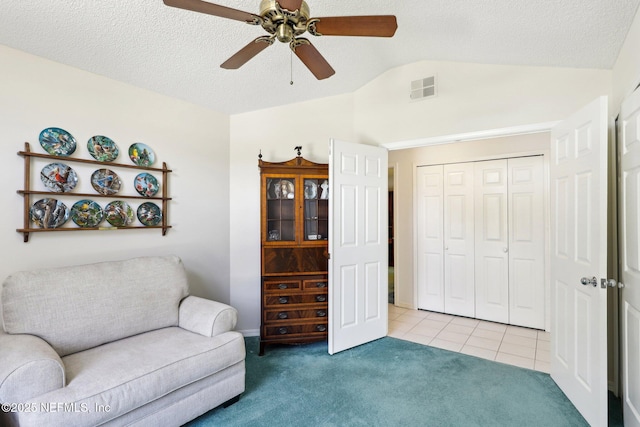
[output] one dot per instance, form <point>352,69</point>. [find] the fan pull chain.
<point>291,82</point>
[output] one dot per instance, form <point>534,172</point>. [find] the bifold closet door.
<point>526,242</point>
<point>491,241</point>
<point>430,244</point>
<point>459,284</point>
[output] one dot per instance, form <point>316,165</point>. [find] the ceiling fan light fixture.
<point>284,33</point>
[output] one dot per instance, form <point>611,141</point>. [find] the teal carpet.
<point>389,382</point>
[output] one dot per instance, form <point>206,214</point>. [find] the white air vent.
<point>423,88</point>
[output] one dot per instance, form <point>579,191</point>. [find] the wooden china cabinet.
<point>294,216</point>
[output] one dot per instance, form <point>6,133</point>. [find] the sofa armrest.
<point>206,317</point>
<point>29,367</point>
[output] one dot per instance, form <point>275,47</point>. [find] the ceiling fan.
<point>287,20</point>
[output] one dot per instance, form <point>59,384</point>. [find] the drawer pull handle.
<point>283,300</point>
<point>283,315</point>
<point>321,328</point>
<point>321,298</point>
<point>282,331</point>
<point>321,284</point>
<point>321,313</point>
<point>282,286</point>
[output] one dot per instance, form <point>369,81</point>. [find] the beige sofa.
<point>114,343</point>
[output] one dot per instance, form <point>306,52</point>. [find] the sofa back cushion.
<point>79,307</point>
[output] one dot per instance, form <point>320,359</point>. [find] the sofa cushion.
<point>108,381</point>
<point>76,308</point>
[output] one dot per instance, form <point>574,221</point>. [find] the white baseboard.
<point>250,332</point>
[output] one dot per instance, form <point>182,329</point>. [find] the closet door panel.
<point>491,241</point>
<point>459,284</point>
<point>526,242</point>
<point>430,231</point>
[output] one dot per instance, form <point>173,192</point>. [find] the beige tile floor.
<point>513,345</point>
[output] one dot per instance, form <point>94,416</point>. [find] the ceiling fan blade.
<point>246,53</point>
<point>368,26</point>
<point>291,5</point>
<point>214,9</point>
<point>310,57</point>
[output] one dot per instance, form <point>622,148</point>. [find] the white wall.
<point>405,162</point>
<point>626,71</point>
<point>276,132</point>
<point>471,98</point>
<point>193,141</point>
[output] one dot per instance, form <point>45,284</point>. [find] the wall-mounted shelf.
<point>27,192</point>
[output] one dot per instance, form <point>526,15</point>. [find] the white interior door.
<point>358,244</point>
<point>578,169</point>
<point>526,242</point>
<point>629,208</point>
<point>430,244</point>
<point>491,241</point>
<point>459,263</point>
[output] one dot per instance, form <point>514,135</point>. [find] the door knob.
<point>593,281</point>
<point>611,283</point>
<point>505,249</point>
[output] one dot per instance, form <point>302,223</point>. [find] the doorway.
<point>391,239</point>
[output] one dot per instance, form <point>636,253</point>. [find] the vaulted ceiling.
<point>178,53</point>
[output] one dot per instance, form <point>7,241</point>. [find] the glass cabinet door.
<point>316,209</point>
<point>281,218</point>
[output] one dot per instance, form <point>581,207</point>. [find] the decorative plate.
<point>59,177</point>
<point>119,213</point>
<point>282,189</point>
<point>57,142</point>
<point>49,213</point>
<point>146,184</point>
<point>102,148</point>
<point>141,154</point>
<point>310,189</point>
<point>149,214</point>
<point>106,182</point>
<point>87,213</point>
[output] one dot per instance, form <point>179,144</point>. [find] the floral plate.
<point>102,148</point>
<point>57,142</point>
<point>106,182</point>
<point>146,184</point>
<point>149,214</point>
<point>87,213</point>
<point>141,154</point>
<point>59,177</point>
<point>49,213</point>
<point>119,213</point>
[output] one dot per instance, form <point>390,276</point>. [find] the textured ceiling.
<point>178,53</point>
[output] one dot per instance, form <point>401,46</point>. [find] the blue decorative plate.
<point>57,142</point>
<point>102,149</point>
<point>146,184</point>
<point>149,214</point>
<point>119,213</point>
<point>59,177</point>
<point>49,213</point>
<point>106,182</point>
<point>141,154</point>
<point>87,213</point>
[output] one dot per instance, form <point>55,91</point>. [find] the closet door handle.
<point>505,249</point>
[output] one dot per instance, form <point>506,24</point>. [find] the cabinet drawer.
<point>315,284</point>
<point>287,330</point>
<point>285,315</point>
<point>281,285</point>
<point>280,300</point>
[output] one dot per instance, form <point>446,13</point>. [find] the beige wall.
<point>193,141</point>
